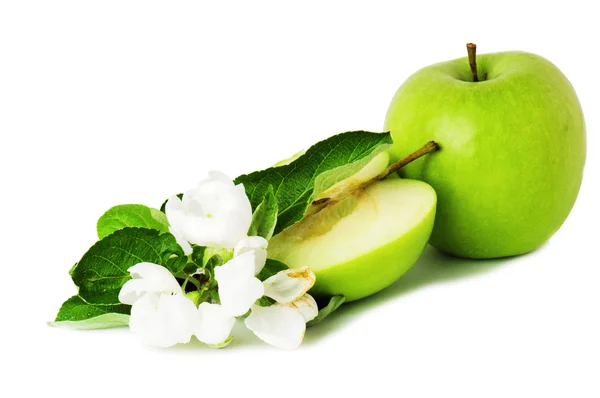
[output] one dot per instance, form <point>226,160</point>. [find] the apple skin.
<point>513,150</point>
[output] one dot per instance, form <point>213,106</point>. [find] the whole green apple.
<point>513,150</point>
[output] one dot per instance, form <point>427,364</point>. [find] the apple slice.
<point>364,242</point>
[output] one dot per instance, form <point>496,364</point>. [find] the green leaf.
<point>177,264</point>
<point>265,301</point>
<point>214,256</point>
<point>264,217</point>
<point>102,271</point>
<point>106,321</point>
<point>76,313</point>
<point>214,261</point>
<point>190,268</point>
<point>197,260</point>
<point>294,184</point>
<point>334,304</point>
<point>198,255</point>
<point>123,216</point>
<point>271,268</point>
<point>289,160</point>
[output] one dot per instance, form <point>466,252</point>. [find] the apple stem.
<point>320,204</point>
<point>430,147</point>
<point>472,51</point>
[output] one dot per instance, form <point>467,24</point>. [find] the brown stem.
<point>472,52</point>
<point>431,146</point>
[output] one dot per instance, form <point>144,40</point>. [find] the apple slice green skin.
<point>368,249</point>
<point>513,150</point>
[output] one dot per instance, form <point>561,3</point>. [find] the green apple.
<point>512,153</point>
<point>364,242</point>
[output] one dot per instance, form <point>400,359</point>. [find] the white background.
<point>111,102</point>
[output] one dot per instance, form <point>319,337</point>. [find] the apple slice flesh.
<point>363,243</point>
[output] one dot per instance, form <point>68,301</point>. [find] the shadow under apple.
<point>432,267</point>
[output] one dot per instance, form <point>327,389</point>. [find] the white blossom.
<point>257,245</point>
<point>289,285</point>
<point>307,306</point>
<point>278,325</point>
<point>161,315</point>
<point>214,324</point>
<point>215,213</point>
<point>238,291</point>
<point>163,320</point>
<point>283,324</point>
<point>185,245</point>
<point>238,286</point>
<point>148,278</point>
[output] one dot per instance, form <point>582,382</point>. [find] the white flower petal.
<point>238,288</point>
<point>132,291</point>
<point>190,203</point>
<point>148,278</point>
<point>215,213</point>
<point>278,325</point>
<point>258,244</point>
<point>260,258</point>
<point>215,175</point>
<point>201,231</point>
<point>187,218</point>
<point>185,245</point>
<point>214,324</point>
<point>250,243</point>
<point>289,285</point>
<point>175,212</point>
<point>163,320</point>
<point>306,306</point>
